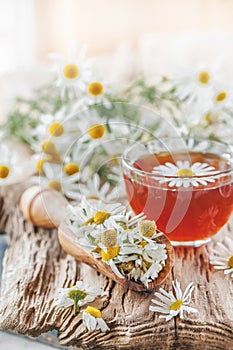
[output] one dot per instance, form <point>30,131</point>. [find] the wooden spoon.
<point>69,243</point>
<point>47,208</point>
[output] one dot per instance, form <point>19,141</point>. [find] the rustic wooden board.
<point>35,266</point>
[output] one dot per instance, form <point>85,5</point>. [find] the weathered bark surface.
<point>35,266</point>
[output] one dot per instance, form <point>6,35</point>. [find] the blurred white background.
<point>29,29</point>
<point>159,36</point>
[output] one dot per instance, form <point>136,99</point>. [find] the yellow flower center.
<point>127,229</point>
<point>48,147</point>
<point>143,243</point>
<point>176,305</point>
<point>111,253</point>
<point>55,185</point>
<point>185,172</point>
<point>230,262</point>
<point>93,312</point>
<point>71,168</point>
<point>126,266</point>
<point>109,238</point>
<point>96,131</point>
<point>40,164</point>
<point>76,294</point>
<point>147,228</point>
<point>208,118</point>
<point>100,217</point>
<point>71,71</point>
<point>56,129</point>
<point>221,96</point>
<point>95,88</point>
<point>88,222</point>
<point>115,160</point>
<point>93,197</point>
<point>4,171</point>
<point>203,77</point>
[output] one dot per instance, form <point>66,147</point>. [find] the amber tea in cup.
<point>186,186</point>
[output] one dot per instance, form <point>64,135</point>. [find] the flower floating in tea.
<point>222,256</point>
<point>186,174</point>
<point>171,304</point>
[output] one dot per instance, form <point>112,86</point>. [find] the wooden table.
<point>34,266</point>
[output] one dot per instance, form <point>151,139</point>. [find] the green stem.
<point>75,306</point>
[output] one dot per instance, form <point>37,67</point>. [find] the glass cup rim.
<point>128,163</point>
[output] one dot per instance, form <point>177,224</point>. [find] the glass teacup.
<point>185,185</point>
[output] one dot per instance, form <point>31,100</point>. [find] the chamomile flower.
<point>222,257</point>
<point>142,260</point>
<point>148,251</point>
<point>119,239</point>
<point>151,273</point>
<point>55,135</point>
<point>195,86</point>
<point>13,167</point>
<point>72,72</point>
<point>93,189</point>
<point>110,255</point>
<point>76,296</point>
<point>56,126</point>
<point>93,216</point>
<point>217,108</point>
<point>186,174</point>
<point>59,178</point>
<point>147,228</point>
<point>135,269</point>
<point>92,319</point>
<point>95,94</point>
<point>95,128</point>
<point>87,235</point>
<point>112,250</point>
<point>171,304</point>
<point>126,225</point>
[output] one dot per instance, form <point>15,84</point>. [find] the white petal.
<point>189,309</point>
<point>64,303</point>
<point>168,294</point>
<point>186,183</point>
<point>194,183</point>
<point>94,290</point>
<point>196,166</point>
<point>166,300</point>
<point>159,303</point>
<point>171,166</point>
<point>168,318</point>
<point>102,324</point>
<point>177,288</point>
<point>115,269</point>
<point>187,293</point>
<point>202,182</point>
<point>186,164</point>
<point>90,321</point>
<point>159,309</point>
<point>220,267</point>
